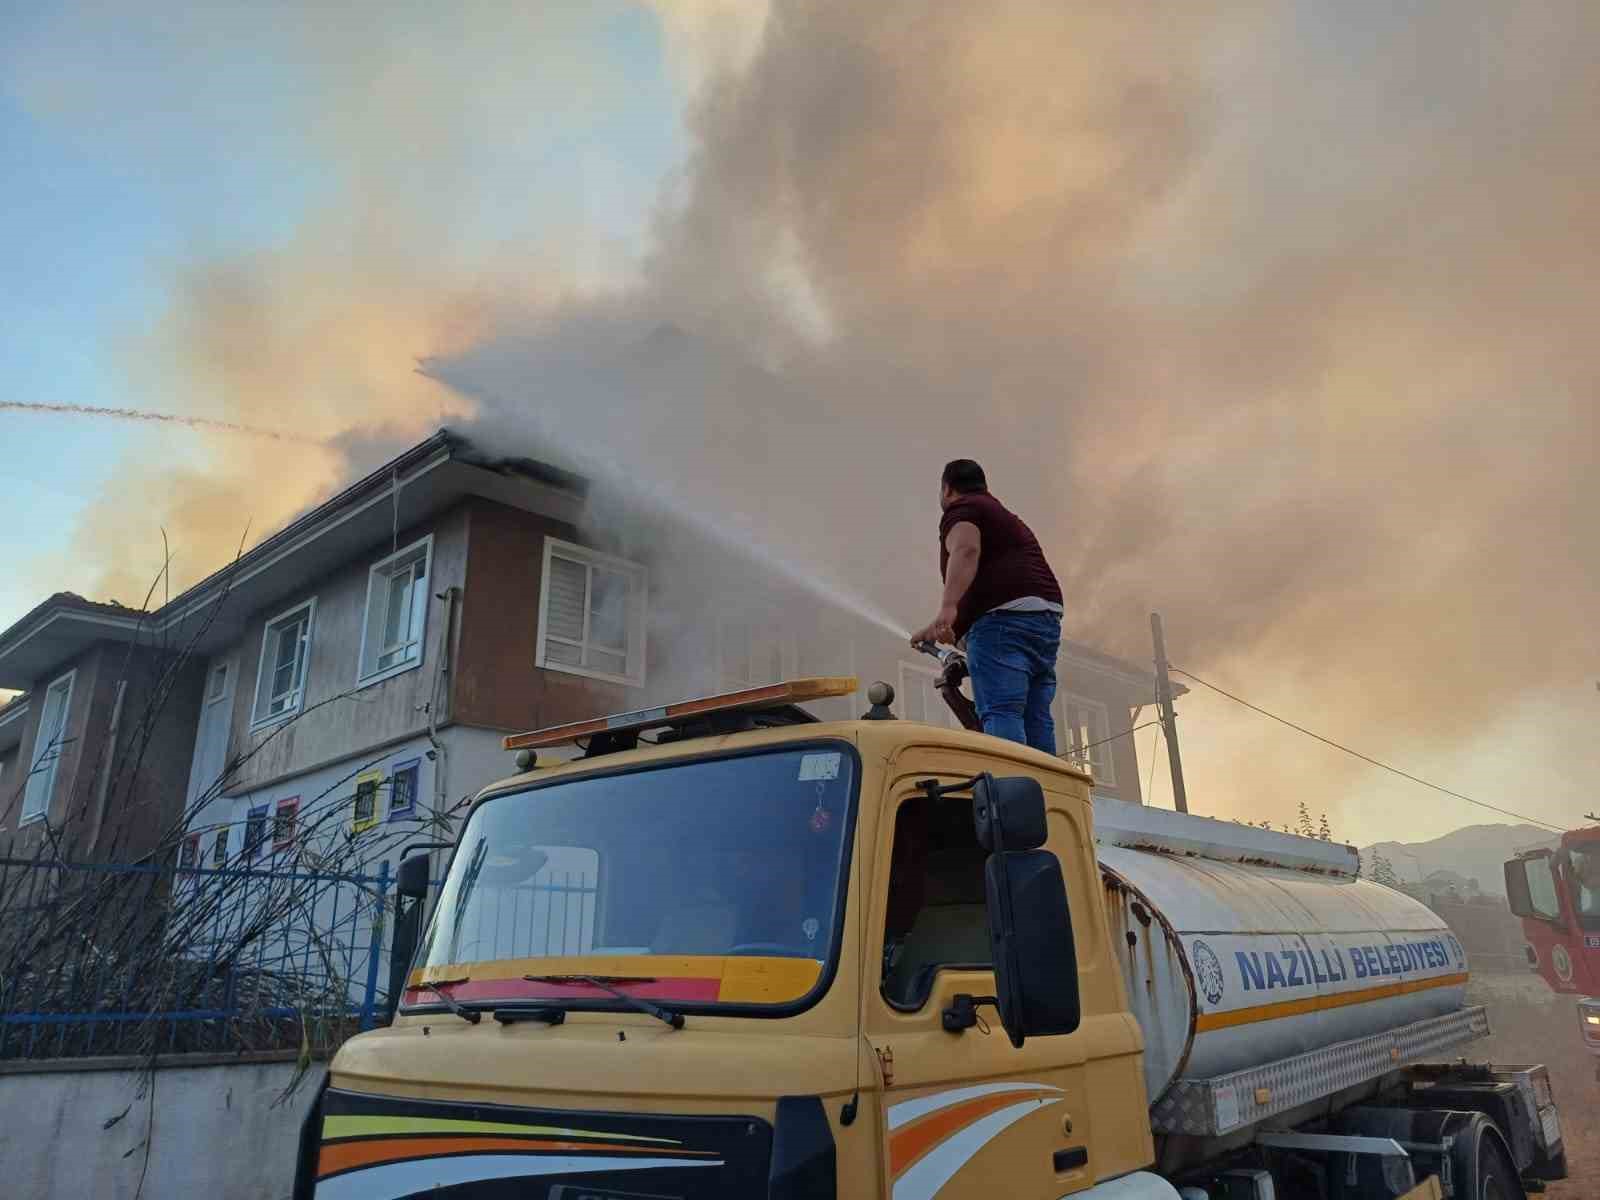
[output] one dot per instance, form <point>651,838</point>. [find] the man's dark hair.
<point>963,475</point>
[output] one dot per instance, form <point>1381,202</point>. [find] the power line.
<point>1115,736</point>
<point>1081,753</point>
<point>1366,758</point>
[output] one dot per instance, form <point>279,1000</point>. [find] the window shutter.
<point>567,588</point>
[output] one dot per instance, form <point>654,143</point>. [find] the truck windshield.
<point>707,881</point>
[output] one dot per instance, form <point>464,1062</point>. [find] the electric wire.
<point>1115,736</point>
<point>1366,758</point>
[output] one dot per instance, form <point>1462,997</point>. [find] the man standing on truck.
<point>1002,604</point>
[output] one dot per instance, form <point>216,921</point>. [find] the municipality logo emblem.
<point>1562,962</point>
<point>1208,971</point>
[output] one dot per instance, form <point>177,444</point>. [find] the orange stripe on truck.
<point>912,1142</point>
<point>1206,1022</point>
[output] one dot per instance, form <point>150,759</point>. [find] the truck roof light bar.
<point>777,695</point>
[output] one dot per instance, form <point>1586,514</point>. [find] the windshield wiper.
<point>675,1019</point>
<point>470,1015</point>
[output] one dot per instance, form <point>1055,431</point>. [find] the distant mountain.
<point>1475,852</point>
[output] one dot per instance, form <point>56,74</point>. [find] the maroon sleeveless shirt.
<point>1010,563</point>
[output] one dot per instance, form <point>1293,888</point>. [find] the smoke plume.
<point>1272,318</point>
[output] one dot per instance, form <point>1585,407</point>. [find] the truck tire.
<point>1482,1166</point>
<point>1498,1178</point>
<point>1479,1166</point>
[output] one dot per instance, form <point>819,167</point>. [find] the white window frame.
<point>921,673</point>
<point>381,571</point>
<point>258,720</point>
<point>41,745</point>
<point>1065,748</point>
<point>639,577</point>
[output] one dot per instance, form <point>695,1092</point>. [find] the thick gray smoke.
<point>1275,318</point>
<point>1272,321</point>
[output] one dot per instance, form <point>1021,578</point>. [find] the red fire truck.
<point>1557,895</point>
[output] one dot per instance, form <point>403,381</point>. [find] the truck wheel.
<point>1497,1177</point>
<point>1484,1171</point>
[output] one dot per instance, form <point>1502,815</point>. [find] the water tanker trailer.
<point>732,951</point>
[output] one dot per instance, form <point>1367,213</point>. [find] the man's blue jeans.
<point>1012,658</point>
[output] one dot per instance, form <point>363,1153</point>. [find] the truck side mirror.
<point>411,894</point>
<point>1008,812</point>
<point>413,879</point>
<point>1030,927</point>
<point>1533,888</point>
<point>1517,896</point>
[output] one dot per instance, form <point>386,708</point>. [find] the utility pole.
<point>1169,716</point>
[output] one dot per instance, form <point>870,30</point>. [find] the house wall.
<point>336,716</point>
<point>12,757</point>
<point>12,777</point>
<point>143,792</point>
<point>86,672</point>
<point>338,917</point>
<point>144,788</point>
<point>1122,698</point>
<point>495,683</point>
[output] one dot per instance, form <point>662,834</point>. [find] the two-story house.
<point>355,671</point>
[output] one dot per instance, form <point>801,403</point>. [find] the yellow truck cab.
<point>756,955</point>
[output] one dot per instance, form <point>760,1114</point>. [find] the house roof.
<point>1141,680</point>
<point>56,629</point>
<point>13,716</point>
<point>422,480</point>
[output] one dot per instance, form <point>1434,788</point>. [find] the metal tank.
<point>1241,947</point>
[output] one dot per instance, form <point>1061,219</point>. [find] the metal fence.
<point>100,959</point>
<point>123,959</point>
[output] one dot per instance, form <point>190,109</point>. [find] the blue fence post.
<point>369,1002</point>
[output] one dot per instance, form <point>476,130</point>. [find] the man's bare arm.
<point>964,543</point>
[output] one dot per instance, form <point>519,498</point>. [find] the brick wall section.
<point>495,682</point>
<point>85,684</point>
<point>150,774</point>
<point>144,795</point>
<point>11,779</point>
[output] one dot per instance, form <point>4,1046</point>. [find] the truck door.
<point>966,1114</point>
<point>1533,890</point>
